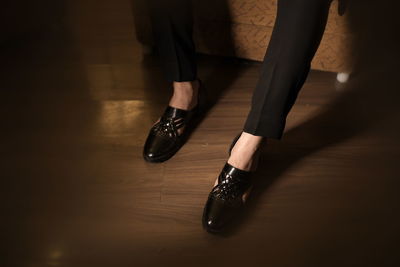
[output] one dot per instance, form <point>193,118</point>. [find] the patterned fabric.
<point>242,28</point>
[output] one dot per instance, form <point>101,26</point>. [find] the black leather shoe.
<point>225,201</point>
<point>164,140</point>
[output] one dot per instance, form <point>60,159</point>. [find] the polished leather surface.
<point>164,140</point>
<point>225,200</point>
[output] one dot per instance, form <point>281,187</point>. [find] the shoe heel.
<point>234,142</point>
<point>202,97</point>
<point>257,160</point>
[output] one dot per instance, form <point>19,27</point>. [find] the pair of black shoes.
<point>225,201</point>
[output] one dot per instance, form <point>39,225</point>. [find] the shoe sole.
<point>163,157</point>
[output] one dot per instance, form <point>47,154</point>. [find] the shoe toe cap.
<point>214,217</point>
<point>156,147</point>
<point>212,226</point>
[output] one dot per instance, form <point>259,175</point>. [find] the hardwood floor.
<point>77,101</point>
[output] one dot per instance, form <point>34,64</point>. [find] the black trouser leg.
<point>298,30</point>
<point>172,23</point>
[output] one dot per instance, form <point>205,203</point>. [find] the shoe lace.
<point>228,189</point>
<point>168,126</point>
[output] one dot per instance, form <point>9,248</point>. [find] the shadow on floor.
<point>367,103</point>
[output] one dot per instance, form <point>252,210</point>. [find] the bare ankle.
<point>185,94</point>
<point>245,149</point>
